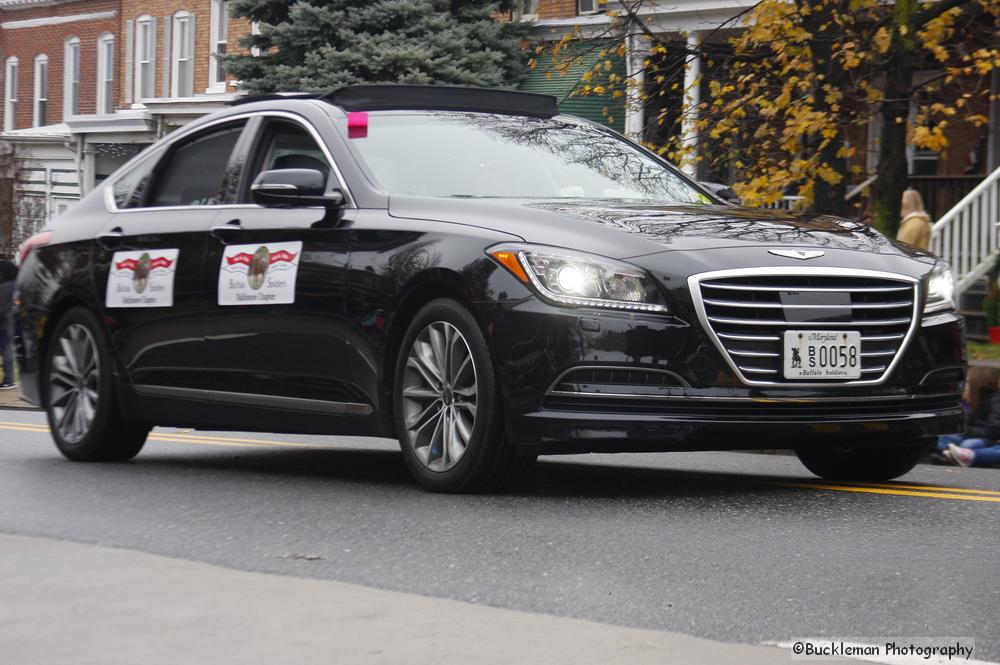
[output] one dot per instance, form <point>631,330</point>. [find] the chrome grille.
<point>748,313</point>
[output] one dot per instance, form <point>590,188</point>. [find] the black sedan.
<point>482,278</point>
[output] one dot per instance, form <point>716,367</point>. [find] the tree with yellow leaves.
<point>802,77</point>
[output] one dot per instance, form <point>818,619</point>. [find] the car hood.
<point>624,229</point>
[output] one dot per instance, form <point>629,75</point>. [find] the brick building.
<point>52,53</point>
<point>58,62</point>
<point>558,9</point>
<point>89,83</point>
<point>169,48</point>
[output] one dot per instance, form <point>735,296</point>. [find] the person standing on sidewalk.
<point>8,273</point>
<point>915,225</point>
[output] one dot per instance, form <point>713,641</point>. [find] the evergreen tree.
<point>323,44</point>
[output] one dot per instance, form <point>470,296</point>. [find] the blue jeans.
<point>987,452</point>
<point>7,349</point>
<point>987,456</point>
<point>961,442</point>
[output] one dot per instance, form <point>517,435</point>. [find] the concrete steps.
<point>970,306</point>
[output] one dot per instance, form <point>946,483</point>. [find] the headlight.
<point>569,277</point>
<point>940,289</point>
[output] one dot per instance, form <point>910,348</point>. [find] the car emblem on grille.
<point>796,253</point>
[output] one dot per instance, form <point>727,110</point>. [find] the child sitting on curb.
<point>981,401</point>
<point>986,455</point>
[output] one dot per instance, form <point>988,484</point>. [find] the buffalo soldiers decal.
<point>142,278</point>
<point>259,274</point>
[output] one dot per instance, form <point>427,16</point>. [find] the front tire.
<point>862,464</point>
<point>447,404</point>
<point>79,394</point>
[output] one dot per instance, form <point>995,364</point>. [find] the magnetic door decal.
<point>142,279</point>
<point>259,274</point>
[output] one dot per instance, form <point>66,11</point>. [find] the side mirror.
<point>294,188</point>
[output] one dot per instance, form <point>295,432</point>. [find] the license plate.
<point>822,354</point>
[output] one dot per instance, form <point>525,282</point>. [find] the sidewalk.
<point>11,399</point>
<point>70,603</point>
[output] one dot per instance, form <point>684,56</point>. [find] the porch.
<point>941,193</point>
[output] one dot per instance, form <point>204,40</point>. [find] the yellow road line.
<point>176,436</point>
<point>904,486</point>
<point>14,424</point>
<point>199,438</point>
<point>926,491</point>
<point>27,429</point>
<point>207,443</point>
<point>943,493</point>
<point>163,437</point>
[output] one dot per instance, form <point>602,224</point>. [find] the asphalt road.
<point>730,546</point>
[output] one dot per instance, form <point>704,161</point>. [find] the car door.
<point>274,322</point>
<point>149,259</point>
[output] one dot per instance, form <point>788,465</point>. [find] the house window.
<point>586,6</point>
<point>527,8</point>
<point>218,45</point>
<point>71,77</point>
<point>10,95</point>
<point>182,75</point>
<point>145,58</point>
<point>105,73</point>
<point>255,30</point>
<point>41,105</point>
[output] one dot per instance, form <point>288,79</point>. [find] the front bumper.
<point>577,381</point>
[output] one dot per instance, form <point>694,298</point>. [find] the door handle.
<point>229,229</point>
<point>111,239</point>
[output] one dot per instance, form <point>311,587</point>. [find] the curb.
<point>17,404</point>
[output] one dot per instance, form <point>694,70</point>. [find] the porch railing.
<point>942,192</point>
<point>793,203</point>
<point>967,235</point>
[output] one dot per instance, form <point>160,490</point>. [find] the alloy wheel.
<point>439,396</point>
<point>74,382</point>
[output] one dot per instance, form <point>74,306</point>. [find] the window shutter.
<point>191,52</point>
<point>168,57</point>
<point>152,63</point>
<point>129,59</point>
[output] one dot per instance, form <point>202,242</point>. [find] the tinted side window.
<point>288,145</point>
<point>192,173</point>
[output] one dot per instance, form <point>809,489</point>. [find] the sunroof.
<point>445,98</point>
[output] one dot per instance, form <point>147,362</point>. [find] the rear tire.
<point>448,405</point>
<point>862,464</point>
<point>78,393</point>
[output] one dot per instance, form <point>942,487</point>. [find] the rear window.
<point>485,155</point>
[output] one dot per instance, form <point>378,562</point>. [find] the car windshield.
<point>486,155</point>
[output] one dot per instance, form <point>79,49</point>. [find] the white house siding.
<point>47,181</point>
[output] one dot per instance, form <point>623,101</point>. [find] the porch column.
<point>86,166</point>
<point>89,169</point>
<point>635,112</point>
<point>993,137</point>
<point>692,98</point>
